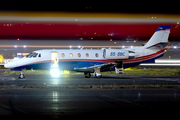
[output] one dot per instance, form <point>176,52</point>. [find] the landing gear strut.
<point>119,67</point>
<point>21,76</point>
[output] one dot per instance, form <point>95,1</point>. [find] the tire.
<point>21,76</point>
<point>100,76</point>
<point>87,75</point>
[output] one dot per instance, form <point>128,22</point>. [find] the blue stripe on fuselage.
<point>64,65</point>
<point>36,66</point>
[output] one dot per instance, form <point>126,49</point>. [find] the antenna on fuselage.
<point>82,48</point>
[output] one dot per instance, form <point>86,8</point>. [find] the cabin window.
<point>96,55</point>
<point>79,55</point>
<point>71,55</point>
<point>39,54</point>
<point>62,55</point>
<point>87,55</point>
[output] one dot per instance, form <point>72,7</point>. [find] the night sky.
<point>89,6</point>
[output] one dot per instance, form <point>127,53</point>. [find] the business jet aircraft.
<point>94,61</point>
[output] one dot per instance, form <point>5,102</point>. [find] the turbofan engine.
<point>118,54</point>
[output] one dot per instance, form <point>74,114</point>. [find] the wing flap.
<point>103,67</point>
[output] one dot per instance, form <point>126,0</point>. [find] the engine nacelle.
<point>115,54</point>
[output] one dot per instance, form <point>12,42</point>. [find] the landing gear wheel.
<point>100,76</point>
<point>21,76</point>
<point>87,75</point>
<point>97,75</point>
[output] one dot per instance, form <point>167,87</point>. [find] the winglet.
<point>163,27</point>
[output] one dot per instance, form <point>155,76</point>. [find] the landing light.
<point>55,72</point>
<point>175,47</point>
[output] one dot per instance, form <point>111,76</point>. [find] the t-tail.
<point>159,40</point>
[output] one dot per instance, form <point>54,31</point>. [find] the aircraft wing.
<point>102,67</point>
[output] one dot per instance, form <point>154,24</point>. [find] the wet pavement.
<point>57,103</point>
<point>67,103</point>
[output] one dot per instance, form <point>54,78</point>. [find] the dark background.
<point>167,7</point>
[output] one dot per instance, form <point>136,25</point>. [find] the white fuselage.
<point>73,58</point>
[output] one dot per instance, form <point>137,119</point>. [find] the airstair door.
<point>54,59</point>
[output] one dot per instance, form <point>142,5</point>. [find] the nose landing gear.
<point>21,76</point>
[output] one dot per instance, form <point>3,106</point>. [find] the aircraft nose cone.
<point>9,65</point>
<point>6,65</point>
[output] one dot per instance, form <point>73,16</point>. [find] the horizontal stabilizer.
<point>91,69</point>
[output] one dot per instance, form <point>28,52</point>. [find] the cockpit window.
<point>35,55</point>
<point>30,55</point>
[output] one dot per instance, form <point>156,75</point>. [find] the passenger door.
<point>54,59</point>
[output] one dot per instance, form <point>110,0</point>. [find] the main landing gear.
<point>87,75</point>
<point>96,74</point>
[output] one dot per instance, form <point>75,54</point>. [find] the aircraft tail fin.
<point>159,38</point>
